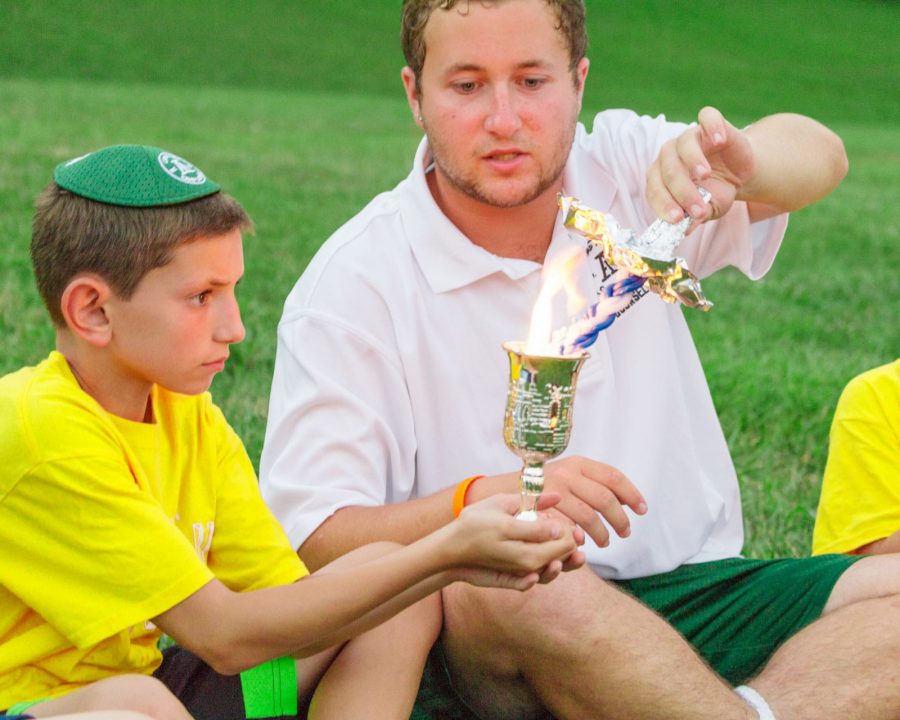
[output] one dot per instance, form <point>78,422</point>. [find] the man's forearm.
<point>404,522</point>
<point>796,162</point>
<point>352,527</point>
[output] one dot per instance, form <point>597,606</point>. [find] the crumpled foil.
<point>650,256</point>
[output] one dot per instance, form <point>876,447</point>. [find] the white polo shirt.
<point>390,381</point>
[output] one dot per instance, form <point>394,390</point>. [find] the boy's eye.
<point>202,298</point>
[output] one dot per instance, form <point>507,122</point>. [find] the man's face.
<point>175,329</point>
<point>497,100</point>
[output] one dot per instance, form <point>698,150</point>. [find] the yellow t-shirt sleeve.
<point>250,550</point>
<point>89,552</point>
<point>860,501</point>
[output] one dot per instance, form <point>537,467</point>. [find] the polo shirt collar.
<point>447,258</point>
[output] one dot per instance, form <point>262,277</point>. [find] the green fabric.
<point>737,612</point>
<point>134,176</point>
<point>21,707</point>
<point>270,689</point>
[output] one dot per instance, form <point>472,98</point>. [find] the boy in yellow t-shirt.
<point>859,510</point>
<point>128,506</point>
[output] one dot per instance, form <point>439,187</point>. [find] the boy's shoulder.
<point>42,406</point>
<point>44,413</point>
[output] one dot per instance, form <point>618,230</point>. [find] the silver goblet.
<point>538,419</point>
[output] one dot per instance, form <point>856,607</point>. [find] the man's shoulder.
<point>375,230</point>
<point>369,254</point>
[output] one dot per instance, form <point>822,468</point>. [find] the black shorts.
<point>266,691</point>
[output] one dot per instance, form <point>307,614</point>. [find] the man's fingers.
<point>625,491</point>
<point>586,516</point>
<point>576,560</point>
<point>684,165</point>
<point>713,126</point>
<point>551,571</point>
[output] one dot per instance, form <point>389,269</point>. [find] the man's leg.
<point>579,648</point>
<point>844,665</point>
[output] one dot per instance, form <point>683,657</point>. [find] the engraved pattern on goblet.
<point>537,423</point>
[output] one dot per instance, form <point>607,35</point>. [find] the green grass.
<point>296,108</point>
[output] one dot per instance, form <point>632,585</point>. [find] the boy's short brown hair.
<point>72,235</point>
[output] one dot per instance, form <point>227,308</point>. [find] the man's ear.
<point>412,95</point>
<point>83,307</point>
<point>581,71</point>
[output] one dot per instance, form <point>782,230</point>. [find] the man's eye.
<point>466,87</point>
<point>533,83</point>
<point>202,298</point>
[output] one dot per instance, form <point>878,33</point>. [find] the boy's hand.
<point>493,549</point>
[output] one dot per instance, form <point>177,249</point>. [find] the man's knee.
<point>568,610</point>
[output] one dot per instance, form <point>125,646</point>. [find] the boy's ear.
<point>83,307</point>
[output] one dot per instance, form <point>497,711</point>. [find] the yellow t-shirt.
<point>860,500</point>
<point>106,523</point>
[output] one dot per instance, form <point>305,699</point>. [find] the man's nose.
<point>503,116</point>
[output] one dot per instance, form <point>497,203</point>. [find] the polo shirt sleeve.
<point>340,430</point>
<point>250,549</point>
<point>627,144</point>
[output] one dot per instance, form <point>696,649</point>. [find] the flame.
<point>558,274</point>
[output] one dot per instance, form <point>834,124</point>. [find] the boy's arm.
<point>486,546</point>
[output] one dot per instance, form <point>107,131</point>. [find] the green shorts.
<point>736,612</point>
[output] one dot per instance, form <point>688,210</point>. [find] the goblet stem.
<point>531,485</point>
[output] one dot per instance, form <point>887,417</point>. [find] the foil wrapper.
<point>650,256</point>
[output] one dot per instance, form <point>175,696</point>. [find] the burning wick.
<point>582,331</point>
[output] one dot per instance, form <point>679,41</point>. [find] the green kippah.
<point>134,176</point>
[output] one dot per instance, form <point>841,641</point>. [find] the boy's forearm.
<point>234,631</point>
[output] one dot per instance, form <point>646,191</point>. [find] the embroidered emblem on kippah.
<point>180,169</point>
<point>75,160</point>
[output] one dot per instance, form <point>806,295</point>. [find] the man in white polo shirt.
<point>390,385</point>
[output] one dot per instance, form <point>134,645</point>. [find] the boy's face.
<point>175,329</point>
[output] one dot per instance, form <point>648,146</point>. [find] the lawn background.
<point>296,108</point>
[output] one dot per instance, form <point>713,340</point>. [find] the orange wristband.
<point>459,497</point>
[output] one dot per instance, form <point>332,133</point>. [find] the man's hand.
<point>591,493</point>
<point>714,154</point>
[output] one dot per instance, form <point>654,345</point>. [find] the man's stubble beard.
<point>473,189</point>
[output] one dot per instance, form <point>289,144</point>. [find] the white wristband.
<point>756,701</point>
